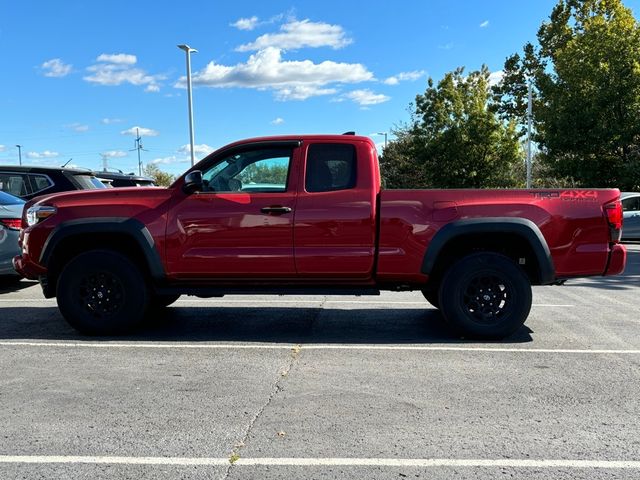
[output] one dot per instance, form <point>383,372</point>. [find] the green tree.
<point>159,177</point>
<point>586,71</point>
<point>455,140</point>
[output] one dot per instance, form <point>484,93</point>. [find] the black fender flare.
<point>493,225</point>
<point>101,225</point>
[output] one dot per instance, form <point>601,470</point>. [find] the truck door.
<point>334,231</point>
<point>241,226</point>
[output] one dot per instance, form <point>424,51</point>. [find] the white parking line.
<point>234,346</point>
<point>221,301</point>
<point>327,462</point>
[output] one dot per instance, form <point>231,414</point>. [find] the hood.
<point>100,196</point>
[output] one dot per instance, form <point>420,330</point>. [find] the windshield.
<point>88,182</point>
<point>6,199</point>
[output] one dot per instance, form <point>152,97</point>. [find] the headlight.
<point>39,213</point>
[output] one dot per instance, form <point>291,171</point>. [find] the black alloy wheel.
<point>485,295</point>
<point>102,292</point>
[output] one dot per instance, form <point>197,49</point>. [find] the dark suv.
<point>119,179</point>
<point>31,181</point>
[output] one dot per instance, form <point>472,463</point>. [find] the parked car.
<point>124,180</point>
<point>307,214</point>
<point>30,181</point>
<point>10,224</point>
<point>631,211</point>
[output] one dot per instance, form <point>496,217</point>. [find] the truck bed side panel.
<point>571,221</point>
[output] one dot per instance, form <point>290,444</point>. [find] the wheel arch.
<point>125,235</point>
<point>515,237</point>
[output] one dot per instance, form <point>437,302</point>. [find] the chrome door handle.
<point>276,209</point>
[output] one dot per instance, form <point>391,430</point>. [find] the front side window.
<point>330,167</point>
<point>256,171</point>
<point>631,204</point>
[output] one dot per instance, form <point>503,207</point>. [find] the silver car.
<point>631,212</point>
<point>10,220</point>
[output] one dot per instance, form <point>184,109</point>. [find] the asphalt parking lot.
<point>325,387</point>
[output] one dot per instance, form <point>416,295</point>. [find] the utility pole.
<point>138,147</point>
<point>19,153</point>
<point>529,122</point>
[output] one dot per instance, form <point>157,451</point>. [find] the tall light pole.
<point>188,50</point>
<point>385,138</point>
<point>19,153</point>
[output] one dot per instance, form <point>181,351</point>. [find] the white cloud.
<point>291,80</point>
<point>119,58</point>
<point>109,121</point>
<point>78,127</point>
<point>404,76</point>
<point>277,121</point>
<point>366,97</point>
<point>40,155</point>
<point>200,150</point>
<point>170,159</point>
<point>245,23</point>
<point>301,33</point>
<point>56,68</point>
<point>117,69</point>
<point>484,24</point>
<point>147,132</point>
<point>495,77</point>
<point>302,92</point>
<point>113,154</point>
<point>2,148</point>
<point>446,46</point>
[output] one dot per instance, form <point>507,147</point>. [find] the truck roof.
<point>303,137</point>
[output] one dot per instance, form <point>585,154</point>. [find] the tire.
<point>485,295</point>
<point>432,296</point>
<point>102,292</point>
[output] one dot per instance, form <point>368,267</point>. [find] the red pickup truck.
<point>307,214</point>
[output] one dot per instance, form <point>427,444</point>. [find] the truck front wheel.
<point>102,292</point>
<point>485,295</point>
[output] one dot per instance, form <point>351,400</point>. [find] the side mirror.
<point>193,182</point>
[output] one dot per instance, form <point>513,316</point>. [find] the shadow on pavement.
<point>12,284</point>
<point>255,324</point>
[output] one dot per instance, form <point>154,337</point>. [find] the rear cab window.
<point>330,167</point>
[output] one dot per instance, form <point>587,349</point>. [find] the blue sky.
<point>79,76</point>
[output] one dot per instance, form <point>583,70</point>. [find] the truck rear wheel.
<point>485,295</point>
<point>102,292</point>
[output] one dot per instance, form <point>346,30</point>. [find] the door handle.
<point>276,209</point>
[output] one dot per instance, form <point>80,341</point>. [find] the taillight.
<point>11,223</point>
<point>614,215</point>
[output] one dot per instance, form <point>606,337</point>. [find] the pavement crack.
<point>275,389</point>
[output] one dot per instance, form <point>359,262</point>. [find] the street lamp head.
<point>187,48</point>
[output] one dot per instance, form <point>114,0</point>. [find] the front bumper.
<point>617,260</point>
<point>27,268</point>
